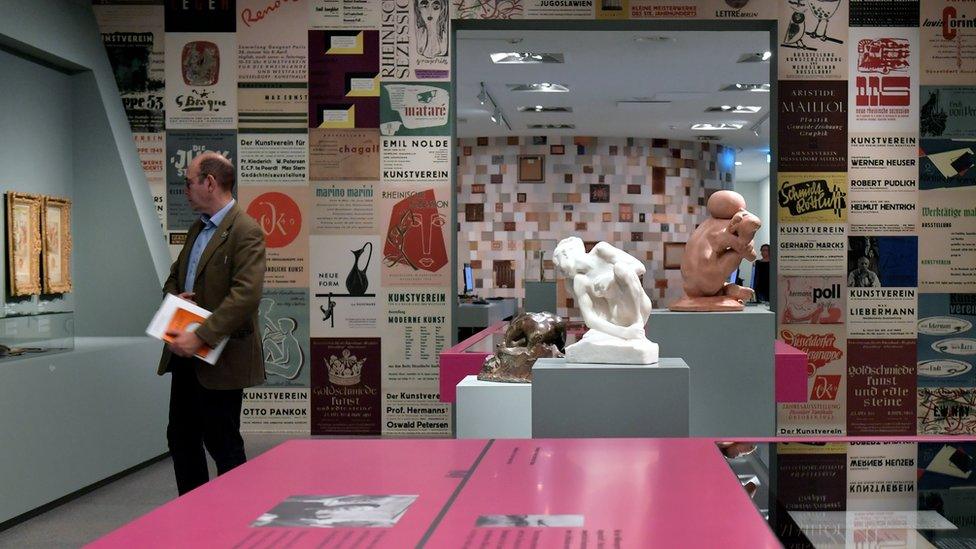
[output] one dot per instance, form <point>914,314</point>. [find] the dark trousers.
<point>198,418</point>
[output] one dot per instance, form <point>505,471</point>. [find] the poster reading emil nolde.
<point>346,392</point>
<point>201,81</point>
<point>343,79</point>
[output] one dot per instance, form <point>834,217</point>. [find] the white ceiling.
<point>604,67</point>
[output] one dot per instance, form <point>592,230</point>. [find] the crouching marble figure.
<point>530,336</point>
<point>714,250</point>
<point>606,286</point>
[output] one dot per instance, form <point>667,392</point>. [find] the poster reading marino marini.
<point>201,80</point>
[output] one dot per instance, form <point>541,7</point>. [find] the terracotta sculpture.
<point>530,336</point>
<point>715,249</point>
<point>606,285</point>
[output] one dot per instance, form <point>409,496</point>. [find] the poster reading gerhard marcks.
<point>883,190</point>
<point>346,387</point>
<point>272,158</point>
<point>415,109</point>
<point>201,81</point>
<point>415,230</point>
<point>345,285</point>
<point>809,249</point>
<point>280,213</point>
<point>881,387</point>
<point>883,81</point>
<point>948,42</point>
<point>812,197</point>
<point>825,411</point>
<point>415,158</point>
<point>343,207</point>
<point>269,48</point>
<point>813,41</point>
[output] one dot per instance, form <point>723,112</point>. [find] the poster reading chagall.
<point>812,197</point>
<point>279,212</point>
<point>347,154</point>
<point>269,48</point>
<point>343,207</point>
<point>201,81</point>
<point>883,184</point>
<point>345,285</point>
<point>948,38</point>
<point>152,153</point>
<point>275,410</point>
<point>346,387</point>
<point>283,322</point>
<point>948,111</point>
<point>825,411</point>
<point>134,40</point>
<point>813,43</point>
<point>813,126</point>
<point>415,227</point>
<point>415,109</point>
<point>807,249</point>
<point>181,148</point>
<point>348,14</point>
<point>881,387</point>
<point>272,158</point>
<point>883,80</point>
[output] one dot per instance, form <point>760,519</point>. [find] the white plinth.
<point>489,409</point>
<point>596,347</point>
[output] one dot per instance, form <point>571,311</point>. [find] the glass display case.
<point>33,334</point>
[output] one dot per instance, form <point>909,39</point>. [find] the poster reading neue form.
<point>279,212</point>
<point>883,184</point>
<point>825,411</point>
<point>813,40</point>
<point>948,38</point>
<point>884,79</point>
<point>345,285</point>
<point>346,391</point>
<point>813,126</point>
<point>881,387</point>
<point>201,81</point>
<point>269,48</point>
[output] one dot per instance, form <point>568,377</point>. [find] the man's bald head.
<point>211,163</point>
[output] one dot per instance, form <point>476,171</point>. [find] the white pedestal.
<point>489,409</point>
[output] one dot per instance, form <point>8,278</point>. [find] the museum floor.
<point>101,511</point>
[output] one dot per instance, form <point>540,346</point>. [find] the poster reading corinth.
<point>416,226</point>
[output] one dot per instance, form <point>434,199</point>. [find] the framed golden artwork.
<point>531,168</point>
<point>56,239</point>
<point>24,243</point>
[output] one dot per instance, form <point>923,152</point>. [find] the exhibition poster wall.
<point>338,115</point>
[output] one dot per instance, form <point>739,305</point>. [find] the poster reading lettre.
<point>884,86</point>
<point>812,197</point>
<point>348,14</point>
<point>269,48</point>
<point>344,154</point>
<point>201,81</point>
<point>825,411</point>
<point>737,9</point>
<point>881,387</point>
<point>883,184</point>
<point>807,249</point>
<point>415,229</point>
<point>948,38</point>
<point>344,207</point>
<point>813,40</point>
<point>415,158</point>
<point>345,285</point>
<point>272,158</point>
<point>279,211</point>
<point>346,387</point>
<point>152,153</point>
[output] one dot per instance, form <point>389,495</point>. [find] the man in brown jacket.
<point>221,268</point>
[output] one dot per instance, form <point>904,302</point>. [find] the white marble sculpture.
<point>607,289</point>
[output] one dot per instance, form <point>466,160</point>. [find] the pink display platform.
<point>791,373</point>
<point>465,359</point>
<point>640,492</point>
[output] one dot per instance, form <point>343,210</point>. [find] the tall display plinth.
<point>609,400</point>
<point>490,409</point>
<point>732,373</point>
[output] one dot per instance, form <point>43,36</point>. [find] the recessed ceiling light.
<point>738,109</point>
<point>540,108</point>
<point>551,126</point>
<point>658,38</point>
<point>538,87</point>
<point>755,57</point>
<point>708,126</point>
<point>739,86</point>
<point>738,162</point>
<point>525,57</point>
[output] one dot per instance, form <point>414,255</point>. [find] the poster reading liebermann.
<point>883,190</point>
<point>825,412</point>
<point>882,285</point>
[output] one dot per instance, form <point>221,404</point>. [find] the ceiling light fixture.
<point>746,87</point>
<point>551,126</point>
<point>483,96</point>
<point>539,87</point>
<point>523,57</point>
<point>738,162</point>
<point>495,112</point>
<point>658,38</point>
<point>759,57</point>
<point>540,108</point>
<point>708,126</point>
<point>738,109</point>
<point>755,127</point>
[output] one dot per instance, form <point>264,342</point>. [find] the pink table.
<point>465,359</point>
<point>645,492</point>
<point>791,373</point>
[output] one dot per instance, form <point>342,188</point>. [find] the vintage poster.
<point>272,159</point>
<point>612,9</point>
<point>420,318</point>
<point>431,26</point>
<point>945,324</point>
<point>275,410</point>
<point>415,109</point>
<point>948,111</point>
<point>152,153</point>
<point>812,477</point>
<point>415,227</point>
<point>812,197</point>
<point>883,81</point>
<point>946,411</point>
<point>737,9</point>
<point>349,14</point>
<point>881,476</point>
<point>813,41</point>
<point>883,190</point>
<point>948,38</point>
<point>213,16</point>
<point>881,313</point>
<point>947,164</point>
<point>881,387</point>
<point>346,388</point>
<point>882,262</point>
<point>947,233</point>
<point>352,154</point>
<point>812,299</point>
<point>181,148</point>
<point>343,208</point>
<point>270,46</point>
<point>175,240</point>
<point>812,250</point>
<point>884,13</point>
<point>279,212</point>
<point>559,9</point>
<point>272,107</point>
<point>664,9</point>
<point>812,126</point>
<point>946,486</point>
<point>825,411</point>
<point>415,159</point>
<point>134,40</point>
<point>201,81</point>
<point>486,9</point>
<point>283,321</point>
<point>343,79</point>
<point>345,285</point>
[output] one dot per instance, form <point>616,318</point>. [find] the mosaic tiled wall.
<point>637,194</point>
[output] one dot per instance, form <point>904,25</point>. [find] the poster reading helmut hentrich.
<point>347,392</point>
<point>181,148</point>
<point>883,83</point>
<point>343,79</point>
<point>808,249</point>
<point>201,81</point>
<point>345,285</point>
<point>813,40</point>
<point>279,211</point>
<point>825,411</point>
<point>415,225</point>
<point>269,49</point>
<point>948,42</point>
<point>134,40</point>
<point>883,176</point>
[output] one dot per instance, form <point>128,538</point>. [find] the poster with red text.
<point>415,225</point>
<point>152,153</point>
<point>812,299</point>
<point>825,411</point>
<point>884,65</point>
<point>280,214</point>
<point>271,46</point>
<point>948,38</point>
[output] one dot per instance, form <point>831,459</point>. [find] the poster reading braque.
<point>812,250</point>
<point>272,107</point>
<point>812,197</point>
<point>152,153</point>
<point>269,48</point>
<point>343,208</point>
<point>881,476</point>
<point>346,388</point>
<point>812,299</point>
<point>415,229</point>
<point>279,213</point>
<point>825,411</point>
<point>347,14</point>
<point>813,40</point>
<point>948,38</point>
<point>344,154</point>
<point>948,111</point>
<point>813,126</point>
<point>345,285</point>
<point>947,233</point>
<point>343,79</point>
<point>559,9</point>
<point>415,159</point>
<point>272,158</point>
<point>181,148</point>
<point>884,79</point>
<point>881,387</point>
<point>883,176</point>
<point>664,9</point>
<point>275,410</point>
<point>134,39</point>
<point>201,81</point>
<point>415,109</point>
<point>283,322</point>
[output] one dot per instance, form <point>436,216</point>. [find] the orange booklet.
<point>178,315</point>
<point>185,321</point>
